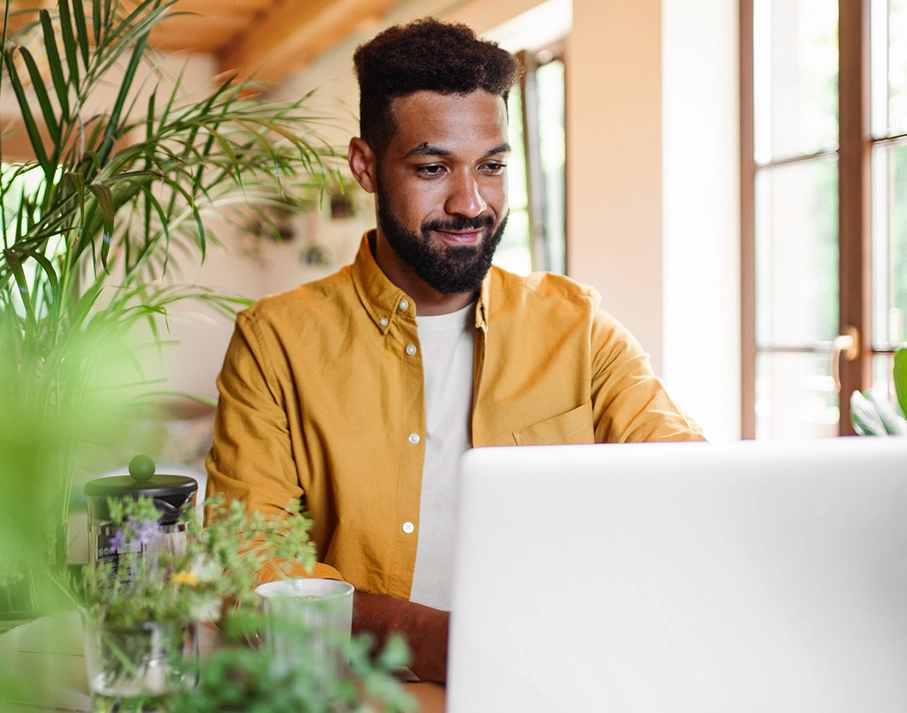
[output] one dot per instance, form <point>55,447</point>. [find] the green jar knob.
<point>141,468</point>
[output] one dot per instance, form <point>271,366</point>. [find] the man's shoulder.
<point>547,286</point>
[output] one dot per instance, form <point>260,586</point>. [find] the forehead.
<point>458,123</point>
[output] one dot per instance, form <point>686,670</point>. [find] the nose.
<point>465,197</point>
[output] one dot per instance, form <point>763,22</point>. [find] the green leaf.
<point>864,417</point>
<point>51,299</point>
<point>28,119</point>
<point>104,197</point>
<point>96,20</point>
<point>68,31</point>
<point>78,11</point>
<point>53,62</point>
<point>110,132</point>
<point>894,424</point>
<point>50,120</point>
<point>76,180</point>
<point>15,265</point>
<point>900,378</point>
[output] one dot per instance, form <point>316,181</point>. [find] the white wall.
<point>653,187</point>
<point>701,210</point>
<point>614,161</point>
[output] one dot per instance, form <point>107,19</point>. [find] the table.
<point>46,656</point>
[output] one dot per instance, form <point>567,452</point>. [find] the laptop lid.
<point>738,577</point>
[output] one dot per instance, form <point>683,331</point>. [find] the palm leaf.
<point>15,265</point>
<point>78,12</point>
<point>106,212</point>
<point>50,120</point>
<point>28,119</point>
<point>53,61</point>
<point>110,132</point>
<point>68,32</point>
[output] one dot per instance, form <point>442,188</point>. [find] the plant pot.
<point>136,668</point>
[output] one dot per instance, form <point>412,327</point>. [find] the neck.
<point>429,302</point>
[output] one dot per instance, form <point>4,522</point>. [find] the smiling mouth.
<point>460,237</point>
<point>460,230</point>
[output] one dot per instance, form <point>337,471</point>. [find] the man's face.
<point>442,186</point>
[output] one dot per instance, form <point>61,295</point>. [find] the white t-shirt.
<point>447,343</point>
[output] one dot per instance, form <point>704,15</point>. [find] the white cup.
<point>309,620</point>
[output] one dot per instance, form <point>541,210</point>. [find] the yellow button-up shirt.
<point>321,397</point>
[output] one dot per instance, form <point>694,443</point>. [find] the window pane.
<point>897,66</point>
<point>795,77</point>
<point>882,379</point>
<point>552,146</point>
<point>797,254</point>
<point>888,65</point>
<point>514,253</point>
<point>795,397</point>
<point>889,253</point>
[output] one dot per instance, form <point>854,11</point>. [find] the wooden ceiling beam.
<point>294,33</point>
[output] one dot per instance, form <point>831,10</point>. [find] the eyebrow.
<point>426,149</point>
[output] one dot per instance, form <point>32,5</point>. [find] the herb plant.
<point>219,565</point>
<point>238,678</point>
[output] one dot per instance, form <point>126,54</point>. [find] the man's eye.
<point>495,167</point>
<point>430,171</point>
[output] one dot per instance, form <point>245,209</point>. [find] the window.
<point>824,206</point>
<point>535,238</point>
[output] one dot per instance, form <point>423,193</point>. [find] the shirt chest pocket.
<point>572,427</point>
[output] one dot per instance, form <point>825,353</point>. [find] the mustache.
<point>459,222</point>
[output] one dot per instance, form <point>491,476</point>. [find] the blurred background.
<point>731,176</point>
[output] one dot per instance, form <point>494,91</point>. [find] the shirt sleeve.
<point>630,403</point>
<point>251,458</point>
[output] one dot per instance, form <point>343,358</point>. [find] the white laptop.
<point>732,578</point>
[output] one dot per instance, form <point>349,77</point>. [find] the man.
<point>360,391</point>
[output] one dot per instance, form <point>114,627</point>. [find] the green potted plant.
<point>872,414</point>
<point>116,187</point>
<point>141,611</point>
<point>241,680</point>
<point>141,607</point>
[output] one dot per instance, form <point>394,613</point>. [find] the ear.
<point>363,164</point>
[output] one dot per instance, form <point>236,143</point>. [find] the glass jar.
<point>136,668</point>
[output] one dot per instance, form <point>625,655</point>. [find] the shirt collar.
<point>385,302</point>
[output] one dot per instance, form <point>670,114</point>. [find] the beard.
<point>446,268</point>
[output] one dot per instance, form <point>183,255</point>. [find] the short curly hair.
<point>428,55</point>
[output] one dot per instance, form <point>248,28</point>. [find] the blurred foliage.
<point>128,173</point>
<point>873,414</point>
<point>240,679</point>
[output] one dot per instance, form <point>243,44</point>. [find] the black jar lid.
<point>159,486</point>
<point>169,492</point>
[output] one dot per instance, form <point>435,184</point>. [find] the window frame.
<point>855,145</point>
<point>539,248</point>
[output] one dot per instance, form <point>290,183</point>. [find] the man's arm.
<point>251,459</point>
<point>629,402</point>
<point>425,630</point>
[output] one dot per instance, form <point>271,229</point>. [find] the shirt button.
<point>383,321</point>
<point>411,349</point>
<point>414,438</point>
<point>404,305</point>
<point>408,528</point>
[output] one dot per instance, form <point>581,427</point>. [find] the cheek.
<point>417,203</point>
<point>496,197</point>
